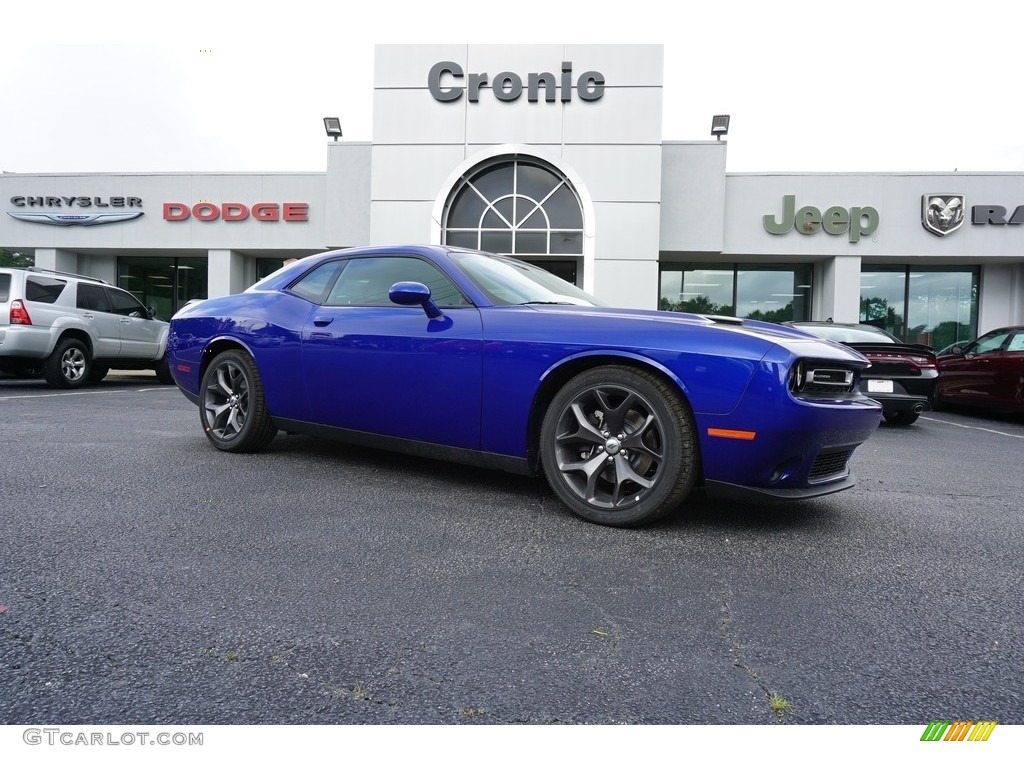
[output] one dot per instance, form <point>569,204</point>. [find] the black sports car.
<point>902,377</point>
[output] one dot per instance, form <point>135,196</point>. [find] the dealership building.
<point>554,153</point>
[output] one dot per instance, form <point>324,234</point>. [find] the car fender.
<point>63,325</point>
<point>224,340</point>
<point>606,355</point>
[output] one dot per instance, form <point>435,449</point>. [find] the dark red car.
<point>901,376</point>
<point>987,372</point>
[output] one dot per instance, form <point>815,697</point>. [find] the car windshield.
<point>510,281</point>
<point>847,335</point>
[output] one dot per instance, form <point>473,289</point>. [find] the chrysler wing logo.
<point>942,213</point>
<point>75,219</point>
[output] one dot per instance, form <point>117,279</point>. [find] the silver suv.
<point>71,329</point>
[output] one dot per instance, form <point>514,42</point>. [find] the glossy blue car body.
<point>473,382</point>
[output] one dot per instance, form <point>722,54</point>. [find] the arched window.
<point>521,207</point>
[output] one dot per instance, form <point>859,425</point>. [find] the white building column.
<point>57,259</point>
<point>837,290</point>
<point>226,273</point>
<point>1002,296</point>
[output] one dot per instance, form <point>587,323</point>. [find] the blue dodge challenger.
<point>483,359</point>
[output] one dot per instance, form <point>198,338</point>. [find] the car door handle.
<point>126,320</point>
<point>320,322</point>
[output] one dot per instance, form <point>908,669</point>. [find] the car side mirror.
<point>151,311</point>
<point>408,293</point>
<point>956,349</point>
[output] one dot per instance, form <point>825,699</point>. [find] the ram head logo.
<point>942,213</point>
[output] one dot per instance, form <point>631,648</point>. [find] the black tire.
<point>69,365</point>
<point>633,457</point>
<point>900,418</point>
<point>98,373</point>
<point>163,371</point>
<point>232,408</point>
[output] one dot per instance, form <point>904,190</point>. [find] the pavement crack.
<point>776,703</point>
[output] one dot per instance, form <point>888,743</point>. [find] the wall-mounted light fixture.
<point>333,127</point>
<point>719,126</point>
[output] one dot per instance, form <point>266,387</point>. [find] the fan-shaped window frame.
<point>505,220</point>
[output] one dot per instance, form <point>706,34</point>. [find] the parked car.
<point>901,376</point>
<point>71,329</point>
<point>467,356</point>
<point>987,373</point>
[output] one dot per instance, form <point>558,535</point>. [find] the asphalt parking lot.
<point>147,578</point>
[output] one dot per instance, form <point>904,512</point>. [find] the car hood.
<point>797,342</point>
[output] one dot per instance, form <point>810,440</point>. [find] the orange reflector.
<point>735,434</point>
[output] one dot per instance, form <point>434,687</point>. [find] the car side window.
<point>366,282</point>
<point>92,297</point>
<point>313,285</point>
<point>45,290</point>
<point>5,287</point>
<point>122,303</point>
<point>989,343</point>
<point>1016,343</point>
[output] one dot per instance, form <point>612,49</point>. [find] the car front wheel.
<point>69,365</point>
<point>232,409</point>
<point>619,447</point>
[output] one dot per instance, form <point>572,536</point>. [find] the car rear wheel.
<point>69,365</point>
<point>900,418</point>
<point>618,446</point>
<point>232,409</point>
<point>163,371</point>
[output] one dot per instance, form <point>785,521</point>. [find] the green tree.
<point>10,258</point>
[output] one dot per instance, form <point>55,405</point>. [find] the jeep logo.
<point>835,220</point>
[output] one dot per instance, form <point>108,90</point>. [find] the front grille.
<point>830,464</point>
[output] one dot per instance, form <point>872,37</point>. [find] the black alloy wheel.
<point>232,408</point>
<point>619,446</point>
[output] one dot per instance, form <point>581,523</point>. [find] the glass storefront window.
<point>882,291</point>
<point>163,283</point>
<point>770,292</point>
<point>774,293</point>
<point>706,291</point>
<point>943,307</point>
<point>932,306</point>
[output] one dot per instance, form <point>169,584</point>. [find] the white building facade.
<point>554,153</point>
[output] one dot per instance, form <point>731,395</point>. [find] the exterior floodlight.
<point>719,126</point>
<point>333,127</point>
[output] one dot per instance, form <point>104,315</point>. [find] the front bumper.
<point>715,489</point>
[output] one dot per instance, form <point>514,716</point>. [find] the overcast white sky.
<point>866,85</point>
